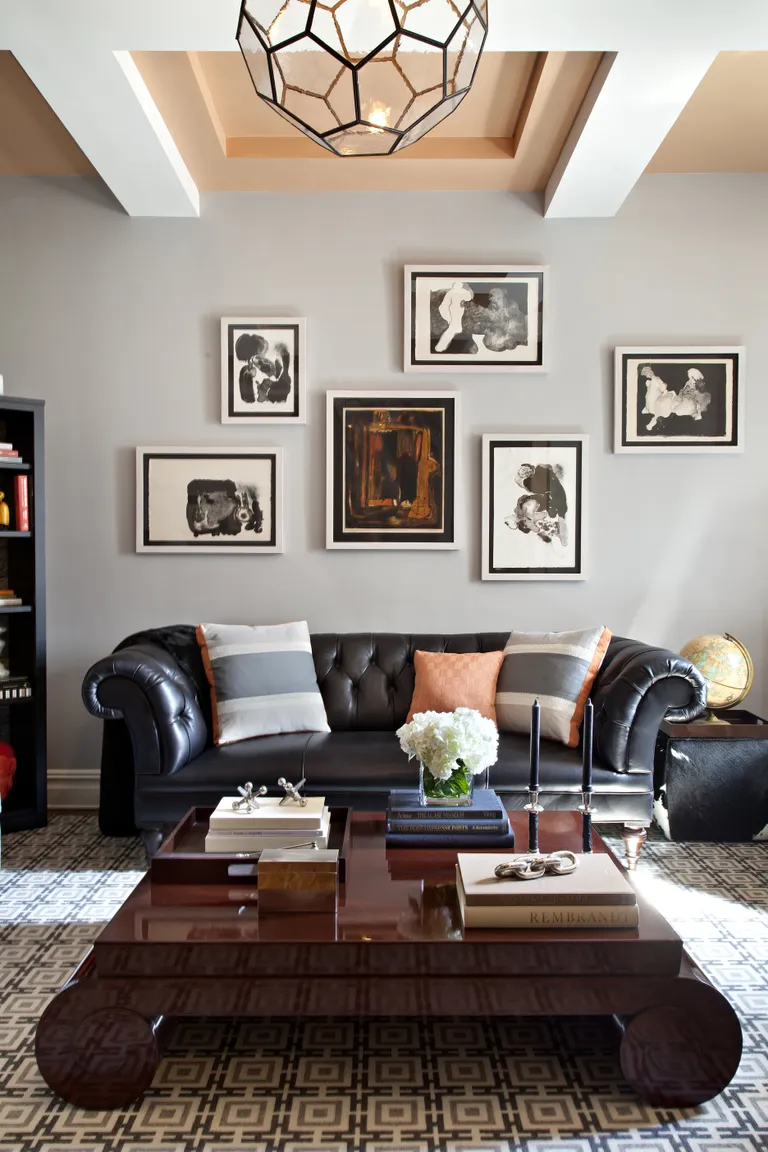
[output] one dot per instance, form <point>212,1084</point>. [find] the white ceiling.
<point>657,51</point>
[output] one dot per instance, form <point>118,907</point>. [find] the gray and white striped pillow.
<point>263,680</point>
<point>558,669</point>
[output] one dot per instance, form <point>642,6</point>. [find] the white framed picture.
<point>475,318</point>
<point>263,369</point>
<point>209,500</point>
<point>679,399</point>
<point>534,518</point>
<point>392,470</point>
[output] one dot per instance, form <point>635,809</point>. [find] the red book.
<point>22,503</point>
<point>8,452</point>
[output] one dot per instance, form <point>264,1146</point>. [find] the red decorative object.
<point>7,769</point>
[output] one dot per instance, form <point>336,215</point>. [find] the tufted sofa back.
<point>367,678</point>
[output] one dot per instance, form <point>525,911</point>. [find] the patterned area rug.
<point>380,1086</point>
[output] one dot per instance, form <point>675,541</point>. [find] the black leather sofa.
<point>158,758</point>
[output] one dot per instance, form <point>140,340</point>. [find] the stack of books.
<point>15,688</point>
<point>271,825</point>
<point>483,824</point>
<point>596,895</point>
<point>9,599</point>
<point>8,452</point>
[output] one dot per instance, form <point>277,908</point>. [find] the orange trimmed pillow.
<point>449,680</point>
<point>558,669</point>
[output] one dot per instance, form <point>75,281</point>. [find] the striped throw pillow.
<point>556,668</point>
<point>262,679</point>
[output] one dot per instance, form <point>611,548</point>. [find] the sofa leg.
<point>152,840</point>
<point>634,838</point>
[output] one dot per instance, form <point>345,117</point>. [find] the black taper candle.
<point>589,723</point>
<point>586,778</point>
<point>535,741</point>
<point>533,831</point>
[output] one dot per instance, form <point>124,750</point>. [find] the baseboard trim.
<point>73,789</point>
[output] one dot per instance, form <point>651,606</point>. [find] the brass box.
<point>298,880</point>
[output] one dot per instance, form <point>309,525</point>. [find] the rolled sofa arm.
<point>145,686</point>
<point>637,688</point>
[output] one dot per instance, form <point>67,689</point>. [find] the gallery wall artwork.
<point>263,370</point>
<point>392,469</point>
<point>534,507</point>
<point>475,318</point>
<point>209,500</point>
<point>679,400</point>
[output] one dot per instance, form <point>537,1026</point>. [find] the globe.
<point>726,666</point>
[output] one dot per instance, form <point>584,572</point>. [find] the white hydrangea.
<point>440,739</point>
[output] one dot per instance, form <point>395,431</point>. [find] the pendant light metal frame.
<point>402,137</point>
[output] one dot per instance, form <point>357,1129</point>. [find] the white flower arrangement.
<point>445,741</point>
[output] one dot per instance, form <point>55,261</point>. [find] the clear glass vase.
<point>454,792</point>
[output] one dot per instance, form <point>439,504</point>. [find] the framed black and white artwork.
<point>392,470</point>
<point>209,500</point>
<point>475,318</point>
<point>534,520</point>
<point>679,399</point>
<point>263,366</point>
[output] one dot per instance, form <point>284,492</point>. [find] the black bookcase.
<point>22,568</point>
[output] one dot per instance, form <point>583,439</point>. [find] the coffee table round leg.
<point>678,1056</point>
<point>92,1056</point>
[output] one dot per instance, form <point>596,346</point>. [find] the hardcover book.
<point>429,839</point>
<point>269,816</point>
<point>548,916</point>
<point>445,826</point>
<point>596,881</point>
<point>240,840</point>
<point>404,805</point>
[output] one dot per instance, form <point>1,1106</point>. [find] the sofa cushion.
<point>556,668</point>
<point>263,680</point>
<point>449,680</point>
<point>216,772</point>
<point>559,770</point>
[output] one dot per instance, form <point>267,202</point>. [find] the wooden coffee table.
<point>395,948</point>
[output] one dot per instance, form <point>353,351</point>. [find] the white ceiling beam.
<point>515,25</point>
<point>635,98</point>
<point>102,100</point>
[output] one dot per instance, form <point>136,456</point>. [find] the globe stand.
<point>710,718</point>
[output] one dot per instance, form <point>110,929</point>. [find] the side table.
<point>711,780</point>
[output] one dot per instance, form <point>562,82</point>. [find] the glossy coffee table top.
<point>397,911</point>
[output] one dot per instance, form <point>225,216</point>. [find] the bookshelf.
<point>22,568</point>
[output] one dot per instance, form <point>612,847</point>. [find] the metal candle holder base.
<point>533,808</point>
<point>587,811</point>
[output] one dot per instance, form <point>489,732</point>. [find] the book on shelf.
<point>547,916</point>
<point>5,446</point>
<point>596,881</point>
<point>21,493</point>
<point>250,842</point>
<point>270,816</point>
<point>10,602</point>
<point>428,839</point>
<point>404,805</point>
<point>10,454</point>
<point>15,688</point>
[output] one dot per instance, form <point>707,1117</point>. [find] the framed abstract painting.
<point>534,520</point>
<point>209,500</point>
<point>475,318</point>
<point>679,399</point>
<point>392,470</point>
<point>263,366</point>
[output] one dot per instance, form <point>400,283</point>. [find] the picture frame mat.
<point>300,373</point>
<point>406,397</point>
<point>193,452</point>
<point>532,439</point>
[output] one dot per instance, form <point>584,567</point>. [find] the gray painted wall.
<point>115,323</point>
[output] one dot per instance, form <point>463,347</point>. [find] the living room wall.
<point>115,323</point>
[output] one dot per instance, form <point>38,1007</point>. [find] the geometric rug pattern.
<point>391,1085</point>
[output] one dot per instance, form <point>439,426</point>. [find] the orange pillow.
<point>449,680</point>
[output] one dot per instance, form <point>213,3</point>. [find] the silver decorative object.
<point>534,865</point>
<point>248,801</point>
<point>292,791</point>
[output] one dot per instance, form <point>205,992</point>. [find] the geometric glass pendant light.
<point>363,77</point>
